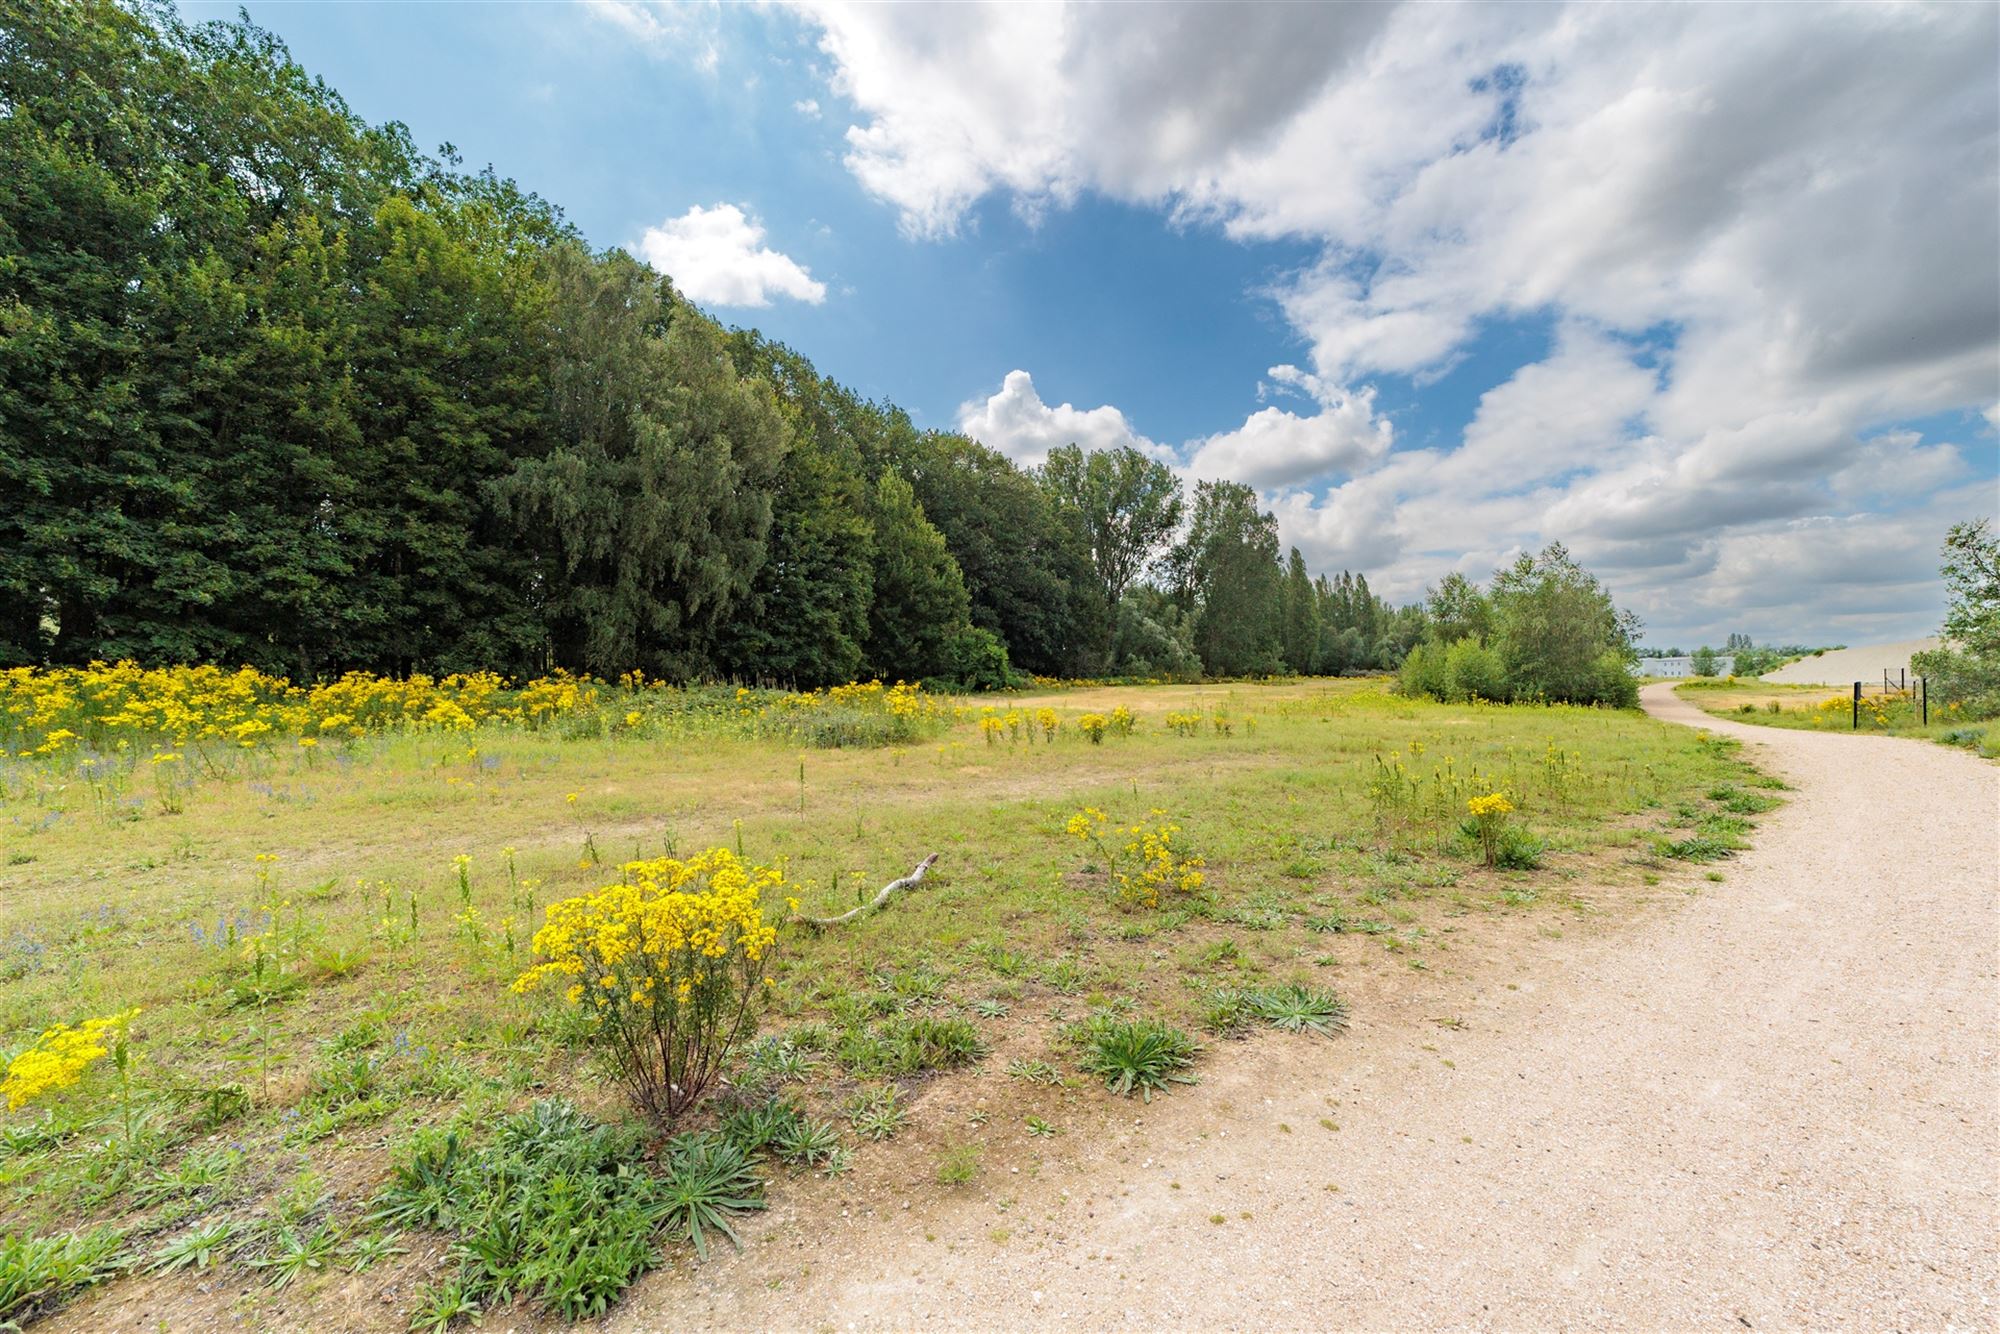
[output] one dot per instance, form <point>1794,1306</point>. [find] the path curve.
<point>1775,1106</point>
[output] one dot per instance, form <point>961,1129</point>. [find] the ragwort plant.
<point>668,963</point>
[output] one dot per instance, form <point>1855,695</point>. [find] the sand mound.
<point>1848,665</point>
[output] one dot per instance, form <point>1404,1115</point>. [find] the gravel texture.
<point>1776,1104</point>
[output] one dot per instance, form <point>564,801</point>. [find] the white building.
<point>1725,664</point>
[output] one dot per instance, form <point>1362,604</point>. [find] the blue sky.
<point>1443,284</point>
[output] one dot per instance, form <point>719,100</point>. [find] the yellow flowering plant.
<point>62,1055</point>
<point>1159,866</point>
<point>1489,814</point>
<point>667,963</point>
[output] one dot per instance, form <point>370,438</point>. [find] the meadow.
<point>302,914</point>
<point>1830,708</point>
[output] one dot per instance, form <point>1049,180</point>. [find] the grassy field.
<point>324,987</point>
<point>1831,708</point>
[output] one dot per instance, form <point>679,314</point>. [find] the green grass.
<point>1831,709</point>
<point>1327,816</point>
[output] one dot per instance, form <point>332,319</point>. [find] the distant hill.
<point>1845,666</point>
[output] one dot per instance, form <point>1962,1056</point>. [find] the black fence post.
<point>1925,681</point>
<point>1857,708</point>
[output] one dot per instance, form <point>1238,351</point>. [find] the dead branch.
<point>910,881</point>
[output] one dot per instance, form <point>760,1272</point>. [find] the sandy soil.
<point>1845,666</point>
<point>1777,1104</point>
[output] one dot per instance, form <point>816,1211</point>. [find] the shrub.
<point>668,962</point>
<point>1966,680</point>
<point>1473,671</point>
<point>1140,1056</point>
<point>976,659</point>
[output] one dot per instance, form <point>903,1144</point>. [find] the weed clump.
<point>1140,1056</point>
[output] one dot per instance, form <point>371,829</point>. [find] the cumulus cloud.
<point>1020,425</point>
<point>717,256</point>
<point>1275,447</point>
<point>1767,241</point>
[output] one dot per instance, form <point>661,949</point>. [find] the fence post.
<point>1926,682</point>
<point>1857,708</point>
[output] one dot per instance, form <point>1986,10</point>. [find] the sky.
<point>1709,293</point>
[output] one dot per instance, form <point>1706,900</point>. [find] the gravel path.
<point>1776,1106</point>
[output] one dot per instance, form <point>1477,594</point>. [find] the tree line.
<point>276,388</point>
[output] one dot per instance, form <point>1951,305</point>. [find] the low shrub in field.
<point>40,1273</point>
<point>667,962</point>
<point>1135,1055</point>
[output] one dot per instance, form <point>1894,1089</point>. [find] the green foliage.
<point>1122,506</point>
<point>959,1166</point>
<point>920,604</point>
<point>757,1126</point>
<point>296,1251</point>
<point>1703,661</point>
<point>560,1207</point>
<point>197,1248</point>
<point>1225,573</point>
<point>1298,1008</point>
<point>704,1180</point>
<point>1556,637</point>
<point>1696,848</point>
<point>877,1113</point>
<point>1971,570</point>
<point>806,1142</point>
<point>1135,1055</point>
<point>38,1274</point>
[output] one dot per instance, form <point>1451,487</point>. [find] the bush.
<point>667,1009</point>
<point>1473,671</point>
<point>1970,682</point>
<point>976,659</point>
<point>1423,673</point>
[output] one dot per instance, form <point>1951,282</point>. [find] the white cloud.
<point>691,29</point>
<point>808,107</point>
<point>1275,447</point>
<point>1016,422</point>
<point>1796,212</point>
<point>717,256</point>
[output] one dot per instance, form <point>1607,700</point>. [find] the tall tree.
<point>654,501</point>
<point>1225,573</point>
<point>1026,571</point>
<point>1124,506</point>
<point>920,606</point>
<point>1558,631</point>
<point>1301,616</point>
